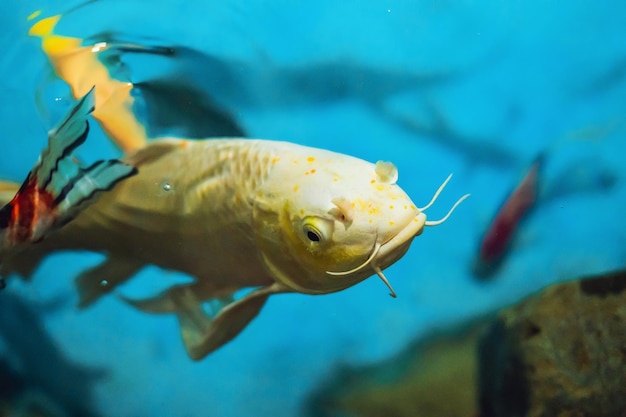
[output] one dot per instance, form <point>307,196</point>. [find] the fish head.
<point>328,221</point>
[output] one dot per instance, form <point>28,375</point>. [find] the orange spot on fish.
<point>310,159</point>
<point>296,188</point>
<point>275,159</point>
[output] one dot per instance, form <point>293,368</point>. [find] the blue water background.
<point>517,77</point>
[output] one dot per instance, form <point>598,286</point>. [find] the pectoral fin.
<point>202,333</point>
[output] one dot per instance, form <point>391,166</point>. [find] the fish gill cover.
<point>475,88</point>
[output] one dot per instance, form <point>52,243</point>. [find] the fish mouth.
<point>385,254</point>
<point>394,248</point>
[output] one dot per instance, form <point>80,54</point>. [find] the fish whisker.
<point>432,201</point>
<point>376,269</point>
<point>358,268</point>
<point>383,278</point>
<point>439,190</point>
<point>437,222</point>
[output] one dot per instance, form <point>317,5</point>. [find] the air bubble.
<point>104,283</point>
<point>167,186</point>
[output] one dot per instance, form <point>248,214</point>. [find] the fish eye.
<point>312,234</point>
<point>316,230</point>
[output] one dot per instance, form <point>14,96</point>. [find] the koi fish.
<point>235,214</point>
<point>57,188</point>
<point>497,239</point>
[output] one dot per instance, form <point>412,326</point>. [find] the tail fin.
<point>58,187</point>
<point>69,134</point>
<point>80,66</point>
<point>71,186</point>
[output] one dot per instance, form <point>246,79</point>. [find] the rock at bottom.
<point>559,353</point>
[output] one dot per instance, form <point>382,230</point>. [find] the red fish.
<point>58,187</point>
<point>496,241</point>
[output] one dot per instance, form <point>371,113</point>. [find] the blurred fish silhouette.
<point>582,175</point>
<point>171,103</point>
<point>32,362</point>
<point>241,83</point>
<point>497,239</point>
<point>586,174</point>
<point>57,188</point>
<point>476,150</point>
<point>192,92</point>
<point>180,109</point>
<point>607,80</point>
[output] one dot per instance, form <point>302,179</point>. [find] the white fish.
<point>234,214</point>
